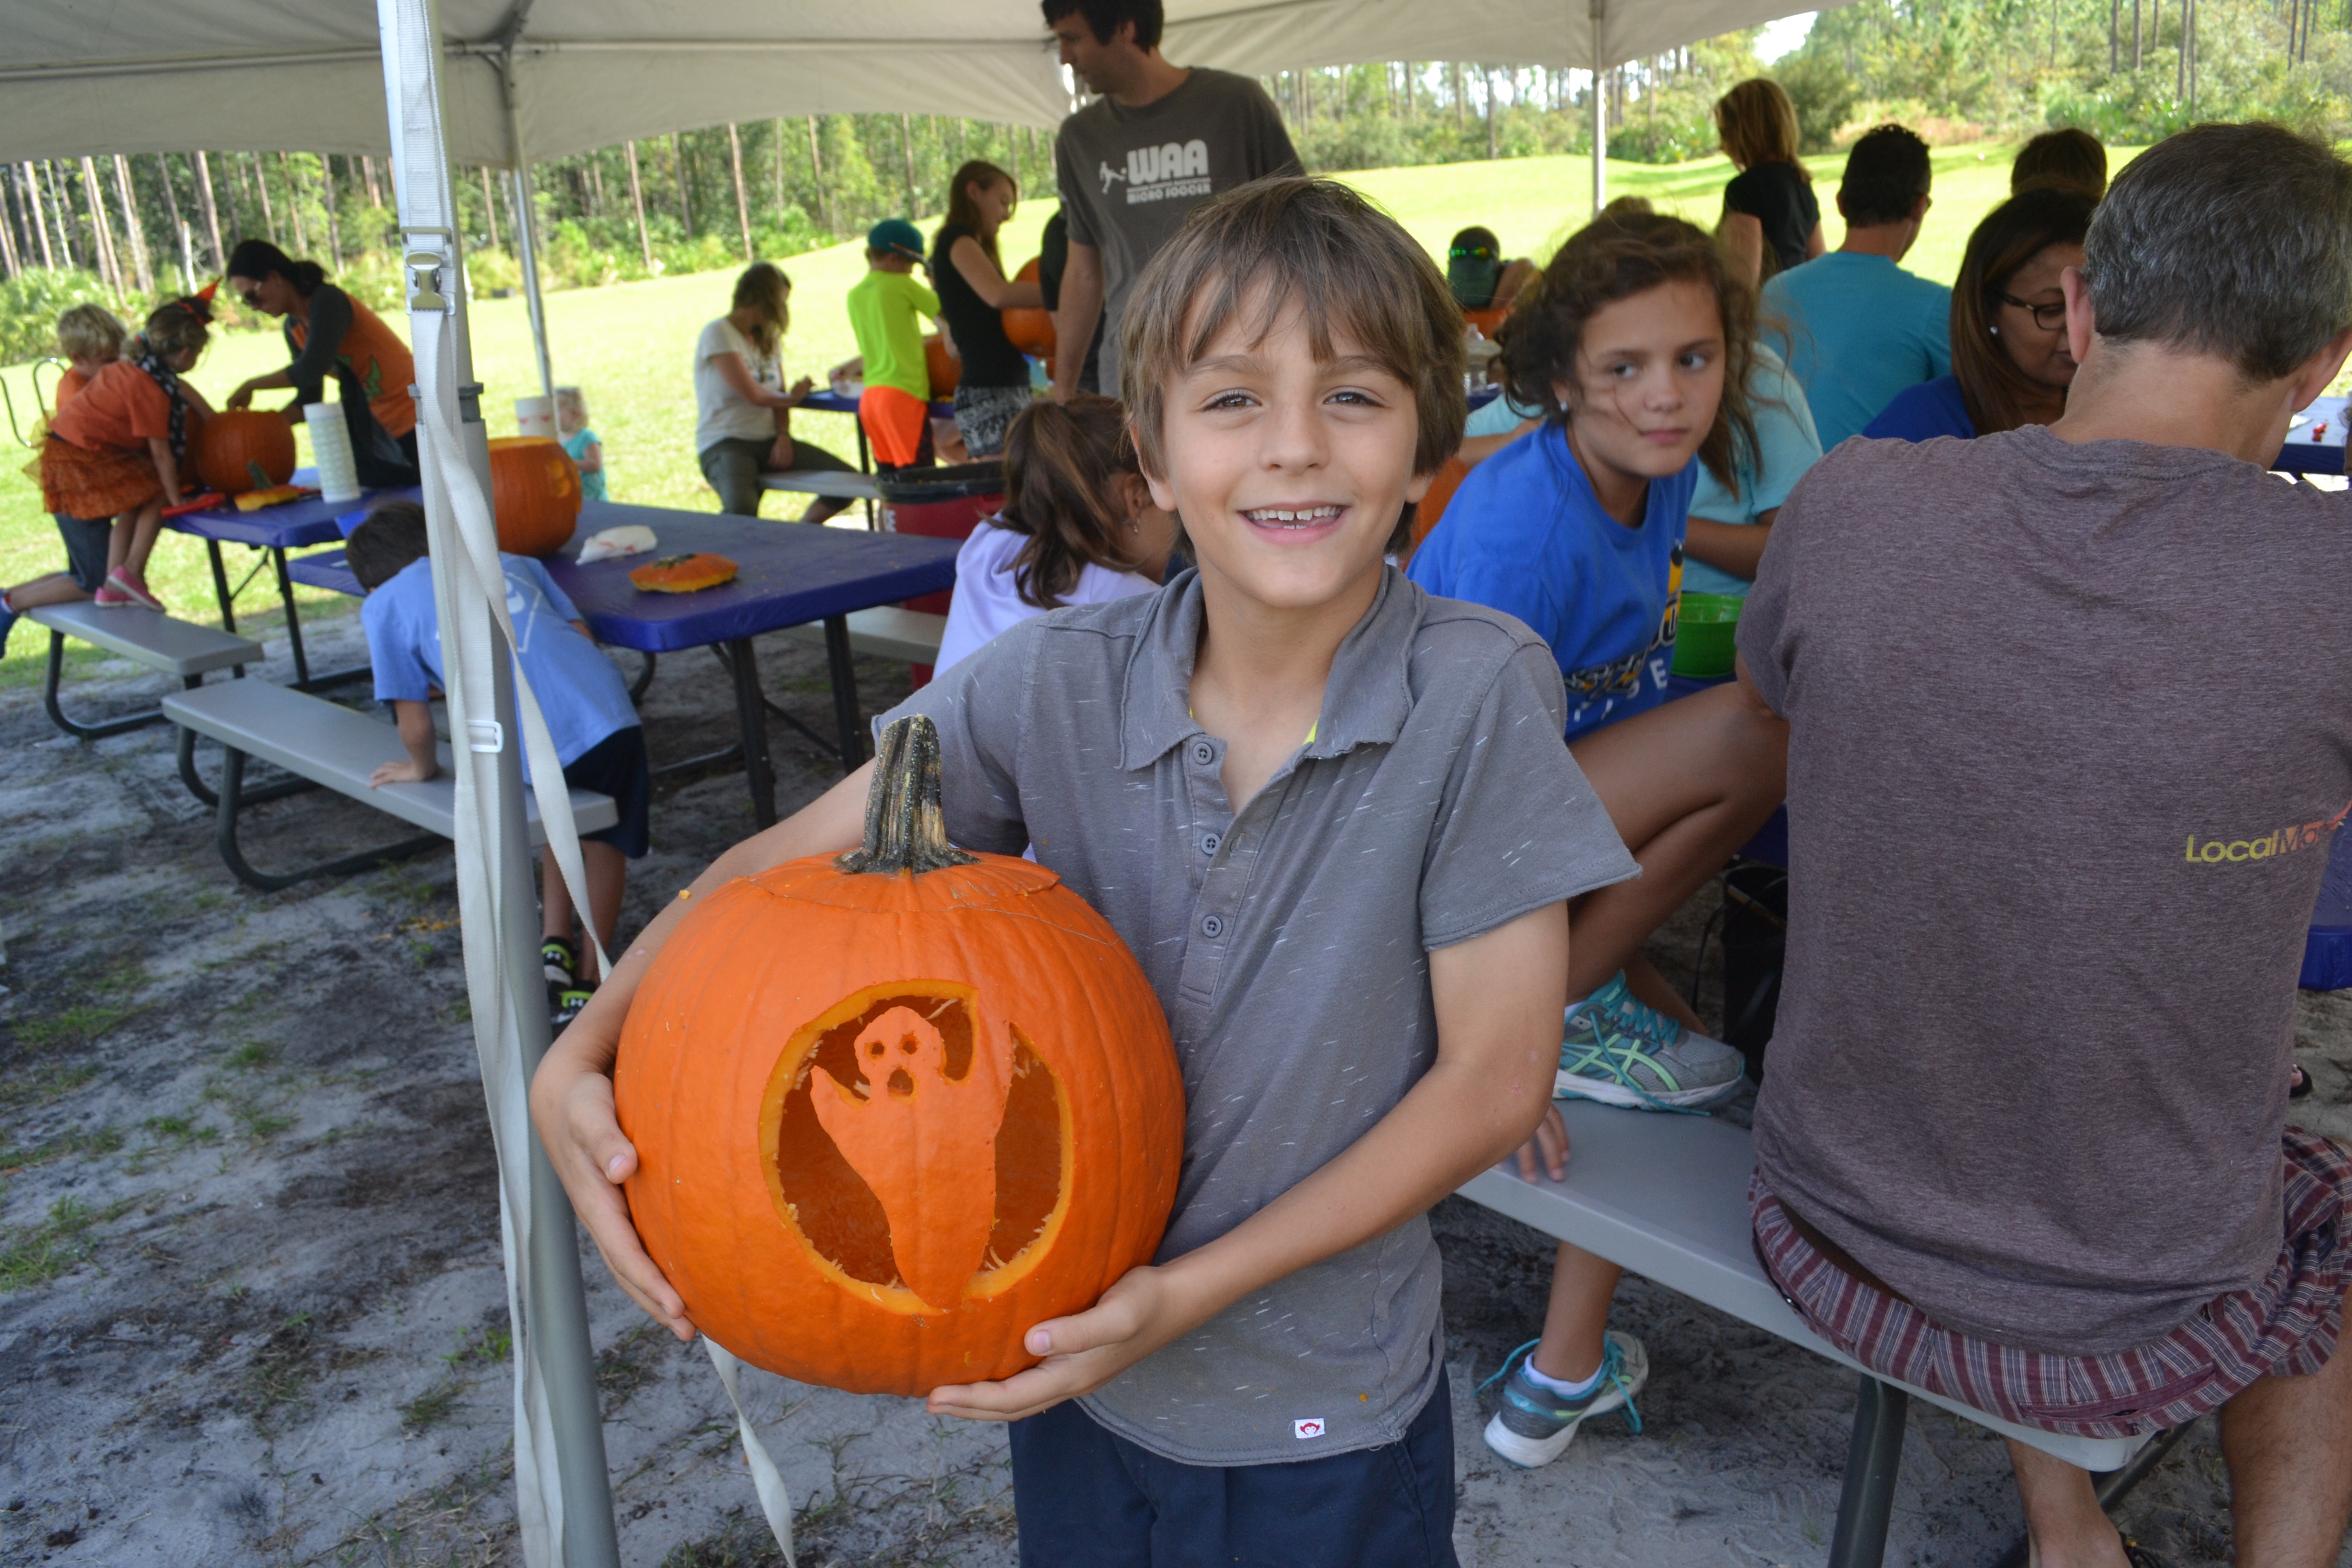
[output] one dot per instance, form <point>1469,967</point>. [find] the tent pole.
<point>526,225</point>
<point>1600,109</point>
<point>564,1496</point>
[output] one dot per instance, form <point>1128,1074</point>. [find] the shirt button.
<point>1213,926</point>
<point>1209,842</point>
<point>1203,753</point>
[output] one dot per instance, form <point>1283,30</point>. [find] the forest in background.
<point>122,230</point>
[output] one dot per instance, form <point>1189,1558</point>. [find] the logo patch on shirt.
<point>1310,1427</point>
<point>1172,172</point>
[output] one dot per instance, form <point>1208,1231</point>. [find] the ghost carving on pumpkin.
<point>925,1143</point>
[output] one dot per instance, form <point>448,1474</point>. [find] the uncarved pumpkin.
<point>893,1111</point>
<point>241,449</point>
<point>535,494</point>
<point>1030,329</point>
<point>945,369</point>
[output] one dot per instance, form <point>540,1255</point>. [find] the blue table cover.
<point>289,525</point>
<point>2327,948</point>
<point>787,574</point>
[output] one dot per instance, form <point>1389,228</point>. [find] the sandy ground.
<point>250,1308</point>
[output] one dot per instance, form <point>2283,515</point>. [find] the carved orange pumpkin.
<point>241,449</point>
<point>945,369</point>
<point>1032,330</point>
<point>893,1111</point>
<point>534,493</point>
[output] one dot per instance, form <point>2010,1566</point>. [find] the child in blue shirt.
<point>586,703</point>
<point>1637,344</point>
<point>587,447</point>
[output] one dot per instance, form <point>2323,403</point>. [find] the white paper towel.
<point>330,452</point>
<point>535,416</point>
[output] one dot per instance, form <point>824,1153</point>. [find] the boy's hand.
<point>1146,1309</point>
<point>409,771</point>
<point>1548,1148</point>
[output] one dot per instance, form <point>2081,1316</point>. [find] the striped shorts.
<point>2286,1324</point>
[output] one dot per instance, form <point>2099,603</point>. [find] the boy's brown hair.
<point>90,331</point>
<point>1630,250</point>
<point>2069,159</point>
<point>1350,264</point>
<point>387,544</point>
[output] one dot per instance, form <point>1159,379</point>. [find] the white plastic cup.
<point>330,452</point>
<point>535,416</point>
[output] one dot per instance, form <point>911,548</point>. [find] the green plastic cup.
<point>1706,634</point>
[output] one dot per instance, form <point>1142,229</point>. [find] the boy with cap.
<point>886,308</point>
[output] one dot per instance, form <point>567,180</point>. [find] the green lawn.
<point>628,345</point>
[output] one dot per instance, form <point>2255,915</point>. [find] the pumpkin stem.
<point>904,830</point>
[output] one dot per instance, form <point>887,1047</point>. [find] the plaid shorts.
<point>2286,1324</point>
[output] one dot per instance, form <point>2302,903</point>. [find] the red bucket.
<point>942,503</point>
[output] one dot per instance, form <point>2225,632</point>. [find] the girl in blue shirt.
<point>1636,343</point>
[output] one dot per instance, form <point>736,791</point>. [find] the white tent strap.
<point>765,1477</point>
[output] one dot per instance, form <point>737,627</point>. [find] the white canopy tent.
<point>503,81</point>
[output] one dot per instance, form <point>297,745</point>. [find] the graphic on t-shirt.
<point>1622,676</point>
<point>2287,840</point>
<point>1168,172</point>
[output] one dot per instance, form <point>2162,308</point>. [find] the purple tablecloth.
<point>787,574</point>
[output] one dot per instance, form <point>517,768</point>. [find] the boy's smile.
<point>1288,470</point>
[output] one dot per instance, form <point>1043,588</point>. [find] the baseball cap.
<point>896,234</point>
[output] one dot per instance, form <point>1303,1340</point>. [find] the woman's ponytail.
<point>1063,462</point>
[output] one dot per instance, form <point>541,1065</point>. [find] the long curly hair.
<point>1627,250</point>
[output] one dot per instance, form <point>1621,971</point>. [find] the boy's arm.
<point>415,719</point>
<point>1500,998</point>
<point>571,1093</point>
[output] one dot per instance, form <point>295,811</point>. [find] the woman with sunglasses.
<point>1481,279</point>
<point>2009,360</point>
<point>330,334</point>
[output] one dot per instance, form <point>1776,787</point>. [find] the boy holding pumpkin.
<point>1334,819</point>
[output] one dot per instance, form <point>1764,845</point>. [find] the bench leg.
<point>203,792</point>
<point>233,799</point>
<point>303,680</point>
<point>79,730</point>
<point>1867,1503</point>
<point>751,716</point>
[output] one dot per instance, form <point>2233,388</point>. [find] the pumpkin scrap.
<point>254,500</point>
<point>684,573</point>
<point>894,1110</point>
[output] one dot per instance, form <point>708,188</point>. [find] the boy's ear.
<point>2320,370</point>
<point>2082,326</point>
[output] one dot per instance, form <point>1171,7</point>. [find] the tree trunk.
<point>141,266</point>
<point>637,205</point>
<point>596,185</point>
<point>367,172</point>
<point>8,234</point>
<point>1461,109</point>
<point>776,146</point>
<point>30,185</point>
<point>178,223</point>
<point>326,194</point>
<point>816,174</point>
<point>261,180</point>
<point>489,207</point>
<point>1486,75</point>
<point>211,210</point>
<point>742,203</point>
<point>101,232</point>
<point>684,194</point>
<point>293,203</point>
<point>907,148</point>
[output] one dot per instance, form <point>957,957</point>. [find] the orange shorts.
<point>895,422</point>
<point>79,482</point>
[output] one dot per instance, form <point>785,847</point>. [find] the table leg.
<point>220,592</point>
<point>850,728</point>
<point>293,622</point>
<point>865,466</point>
<point>751,714</point>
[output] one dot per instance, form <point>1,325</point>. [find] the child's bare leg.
<point>608,872</point>
<point>145,524</point>
<point>57,588</point>
<point>1578,1317</point>
<point>1685,784</point>
<point>117,540</point>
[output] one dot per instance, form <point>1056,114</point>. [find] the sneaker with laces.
<point>1621,1051</point>
<point>559,960</point>
<point>133,588</point>
<point>1533,1425</point>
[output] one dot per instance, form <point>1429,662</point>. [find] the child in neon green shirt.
<point>887,309</point>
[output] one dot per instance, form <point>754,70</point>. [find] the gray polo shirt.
<point>1289,945</point>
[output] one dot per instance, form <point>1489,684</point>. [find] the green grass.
<point>629,345</point>
<point>38,1252</point>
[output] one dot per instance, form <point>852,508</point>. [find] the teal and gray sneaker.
<point>1620,1051</point>
<point>1532,1425</point>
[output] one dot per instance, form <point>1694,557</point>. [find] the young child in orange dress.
<point>116,448</point>
<point>91,338</point>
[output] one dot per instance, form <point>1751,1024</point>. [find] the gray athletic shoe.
<point>1621,1052</point>
<point>1533,1425</point>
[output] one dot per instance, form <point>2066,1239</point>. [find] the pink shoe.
<point>110,597</point>
<point>133,588</point>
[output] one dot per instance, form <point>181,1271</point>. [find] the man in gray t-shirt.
<point>1158,143</point>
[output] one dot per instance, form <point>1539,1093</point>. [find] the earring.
<point>1994,330</point>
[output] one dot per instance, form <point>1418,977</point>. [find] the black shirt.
<point>1052,256</point>
<point>989,357</point>
<point>1780,197</point>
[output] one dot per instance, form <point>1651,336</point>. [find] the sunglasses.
<point>2048,316</point>
<point>1471,253</point>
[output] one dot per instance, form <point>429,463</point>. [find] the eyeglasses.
<point>2048,316</point>
<point>252,297</point>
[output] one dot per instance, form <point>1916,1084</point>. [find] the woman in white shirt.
<point>1078,528</point>
<point>742,426</point>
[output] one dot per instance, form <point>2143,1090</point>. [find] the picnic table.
<point>787,576</point>
<point>2316,444</point>
<point>275,530</point>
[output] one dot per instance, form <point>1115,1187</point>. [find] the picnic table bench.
<point>144,636</point>
<point>1666,1198</point>
<point>327,746</point>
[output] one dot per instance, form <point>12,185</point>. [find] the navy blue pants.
<point>1088,1499</point>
